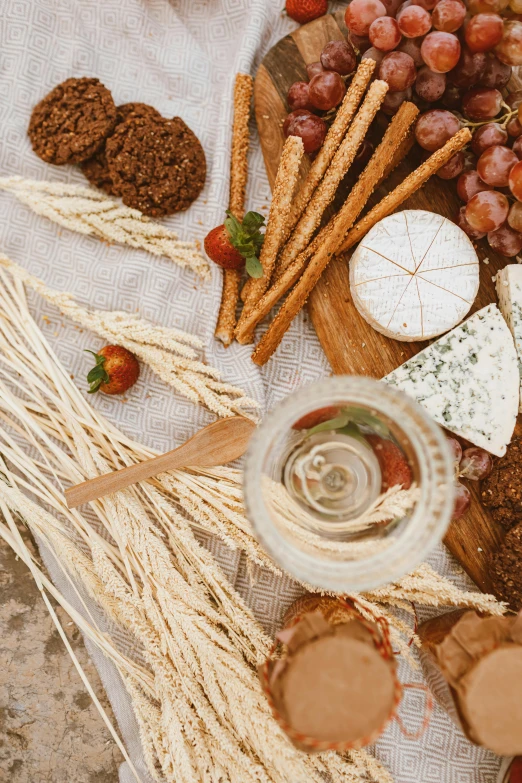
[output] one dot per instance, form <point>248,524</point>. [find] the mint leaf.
<point>253,267</point>
<point>332,424</point>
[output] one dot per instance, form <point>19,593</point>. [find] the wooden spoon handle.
<point>219,443</point>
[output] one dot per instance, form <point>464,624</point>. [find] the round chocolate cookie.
<point>506,569</point>
<point>501,491</point>
<point>72,122</point>
<point>157,166</point>
<point>96,168</point>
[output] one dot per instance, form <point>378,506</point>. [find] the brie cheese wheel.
<point>414,276</point>
<point>468,380</point>
<point>509,292</point>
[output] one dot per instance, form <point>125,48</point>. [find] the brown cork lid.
<point>337,688</point>
<point>491,701</point>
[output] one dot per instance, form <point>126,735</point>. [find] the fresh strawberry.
<point>316,417</point>
<point>515,773</point>
<point>304,11</point>
<point>394,466</point>
<point>234,244</point>
<point>116,370</point>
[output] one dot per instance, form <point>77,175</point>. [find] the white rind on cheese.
<point>509,292</point>
<point>468,380</point>
<point>414,276</point>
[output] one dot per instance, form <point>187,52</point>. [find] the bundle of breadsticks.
<point>297,249</point>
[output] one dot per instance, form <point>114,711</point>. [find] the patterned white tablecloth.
<point>181,57</point>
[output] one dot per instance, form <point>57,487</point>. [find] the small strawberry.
<point>304,11</point>
<point>234,244</point>
<point>394,466</point>
<point>320,416</point>
<point>116,370</point>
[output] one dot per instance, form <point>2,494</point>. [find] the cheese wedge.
<point>509,292</point>
<point>414,276</point>
<point>468,380</point>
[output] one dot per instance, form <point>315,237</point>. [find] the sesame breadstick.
<point>286,180</point>
<point>301,291</point>
<point>337,169</point>
<point>243,88</point>
<point>394,146</point>
<point>332,141</point>
<point>406,188</point>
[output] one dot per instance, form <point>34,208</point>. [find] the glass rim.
<point>381,567</point>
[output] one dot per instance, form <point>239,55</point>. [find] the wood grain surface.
<point>351,345</point>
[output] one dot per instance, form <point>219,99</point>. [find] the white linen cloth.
<point>181,57</point>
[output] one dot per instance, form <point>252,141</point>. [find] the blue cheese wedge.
<point>509,291</point>
<point>468,380</point>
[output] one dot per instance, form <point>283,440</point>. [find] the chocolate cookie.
<point>96,169</point>
<point>501,491</point>
<point>157,166</point>
<point>71,123</point>
<point>506,569</point>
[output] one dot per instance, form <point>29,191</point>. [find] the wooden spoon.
<point>218,443</point>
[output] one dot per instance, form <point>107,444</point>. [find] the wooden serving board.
<point>351,345</point>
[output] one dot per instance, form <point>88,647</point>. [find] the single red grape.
<point>517,147</point>
<point>481,104</point>
<point>393,100</point>
<point>515,216</point>
<point>392,6</point>
<point>487,210</point>
<point>455,448</point>
<point>373,54</point>
<point>440,51</point>
<point>505,240</point>
<point>453,167</point>
<point>516,6</point>
<point>412,46</point>
<point>398,70</point>
<point>309,127</point>
<point>469,69</point>
<point>469,183</point>
<point>361,13</point>
<point>312,69</point>
<point>434,128</point>
<point>483,32</point>
<point>452,97</point>
<point>326,90</point>
<point>515,180</point>
<point>430,85</point>
<point>495,164</point>
<point>490,135</point>
<point>462,501</point>
<point>298,97</point>
<point>475,464</point>
<point>363,155</point>
<point>414,21</point>
<point>514,99</point>
<point>486,6</point>
<point>385,34</point>
<point>462,223</point>
<point>448,15</point>
<point>509,50</point>
<point>359,42</point>
<point>496,74</point>
<point>338,56</point>
<point>514,128</point>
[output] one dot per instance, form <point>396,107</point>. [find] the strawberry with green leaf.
<point>236,244</point>
<point>115,371</point>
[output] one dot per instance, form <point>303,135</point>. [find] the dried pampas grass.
<point>170,353</point>
<point>183,640</point>
<point>89,211</point>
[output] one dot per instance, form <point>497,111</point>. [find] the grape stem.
<point>503,121</point>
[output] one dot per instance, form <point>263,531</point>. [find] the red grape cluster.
<point>473,464</point>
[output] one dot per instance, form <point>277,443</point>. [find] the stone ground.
<point>50,731</point>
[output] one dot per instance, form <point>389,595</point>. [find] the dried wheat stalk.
<point>170,353</point>
<point>90,212</point>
